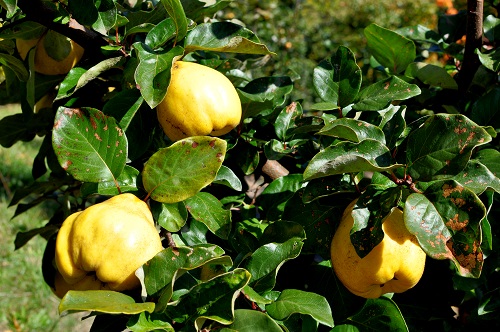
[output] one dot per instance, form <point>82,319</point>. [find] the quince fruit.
<point>199,101</point>
<point>108,240</point>
<point>90,282</point>
<point>395,265</point>
<point>55,54</point>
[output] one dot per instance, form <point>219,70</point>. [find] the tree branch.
<point>36,11</point>
<point>473,41</point>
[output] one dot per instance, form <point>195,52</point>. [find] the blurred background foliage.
<point>304,32</point>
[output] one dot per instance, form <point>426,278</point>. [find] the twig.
<point>36,11</point>
<point>274,169</point>
<point>473,41</point>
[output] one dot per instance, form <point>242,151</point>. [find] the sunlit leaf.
<point>180,171</point>
<point>89,145</point>
<point>103,301</point>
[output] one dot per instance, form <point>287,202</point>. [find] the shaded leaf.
<point>379,315</point>
<point>432,75</point>
<point>286,120</point>
<point>181,170</point>
<point>246,320</point>
<point>126,182</point>
<point>171,216</point>
<point>161,269</point>
<point>210,300</point>
<point>89,145</point>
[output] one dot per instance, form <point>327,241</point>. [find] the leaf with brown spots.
<point>89,145</point>
<point>442,146</point>
<point>180,171</point>
<point>446,219</point>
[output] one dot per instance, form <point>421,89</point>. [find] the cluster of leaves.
<point>256,258</point>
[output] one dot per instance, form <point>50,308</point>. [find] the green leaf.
<point>224,37</point>
<point>246,320</point>
<point>153,72</point>
<point>171,216</point>
<point>293,301</point>
<point>109,302</point>
<point>490,60</point>
<point>446,221</point>
<point>490,158</point>
<point>348,157</point>
<point>264,94</point>
<point>374,204</point>
<point>379,95</point>
<point>161,269</point>
<point>265,262</point>
<point>102,15</point>
<point>9,5</point>
<point>477,178</point>
<point>89,145</point>
<point>337,80</point>
<point>161,33</point>
<point>145,322</point>
<point>485,110</point>
<point>198,10</point>
<point>393,125</point>
<point>442,146</point>
<point>210,300</point>
<point>391,49</point>
<point>275,195</point>
<point>18,127</point>
<point>352,130</point>
<point>176,12</point>
<point>180,171</point>
<point>226,176</point>
<point>209,210</point>
<point>23,30</point>
<point>16,65</point>
<point>79,77</point>
<point>432,75</point>
<point>286,120</point>
<point>379,315</point>
<point>127,182</point>
<point>123,107</point>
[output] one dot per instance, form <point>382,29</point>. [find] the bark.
<point>473,41</point>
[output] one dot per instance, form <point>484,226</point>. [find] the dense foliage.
<point>247,218</point>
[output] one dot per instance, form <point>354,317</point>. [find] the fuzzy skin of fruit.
<point>111,239</point>
<point>200,101</point>
<point>44,63</point>
<point>90,282</point>
<point>395,265</point>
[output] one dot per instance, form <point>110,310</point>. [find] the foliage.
<point>416,136</point>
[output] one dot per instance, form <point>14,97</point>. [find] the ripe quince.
<point>110,240</point>
<point>55,54</point>
<point>199,101</point>
<point>393,266</point>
